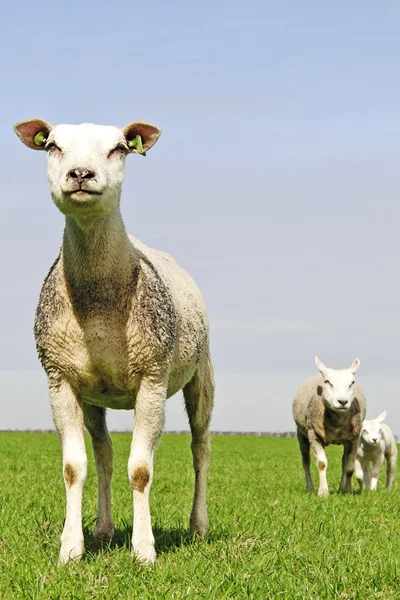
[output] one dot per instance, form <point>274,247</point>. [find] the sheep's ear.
<point>354,367</point>
<point>33,133</point>
<point>140,136</point>
<point>321,367</point>
<point>381,417</point>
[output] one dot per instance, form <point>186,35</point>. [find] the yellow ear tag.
<point>39,139</point>
<point>137,144</point>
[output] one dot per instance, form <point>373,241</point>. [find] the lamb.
<point>376,443</point>
<point>329,408</point>
<point>118,325</point>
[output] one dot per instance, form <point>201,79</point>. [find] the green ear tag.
<point>137,144</point>
<point>39,139</point>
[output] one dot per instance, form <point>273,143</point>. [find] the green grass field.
<point>267,539</point>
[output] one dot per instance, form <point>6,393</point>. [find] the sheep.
<point>118,325</point>
<point>329,408</point>
<point>376,443</point>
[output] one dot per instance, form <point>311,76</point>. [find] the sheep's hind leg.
<point>199,400</point>
<point>359,473</point>
<point>348,463</point>
<point>391,461</point>
<point>304,444</point>
<point>95,423</point>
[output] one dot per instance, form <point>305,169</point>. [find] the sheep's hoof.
<point>324,493</point>
<point>144,553</point>
<point>199,526</point>
<point>104,533</point>
<point>71,552</point>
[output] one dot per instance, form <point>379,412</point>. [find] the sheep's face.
<point>371,432</point>
<point>86,162</point>
<point>338,386</point>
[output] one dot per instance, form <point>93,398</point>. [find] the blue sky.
<point>275,182</point>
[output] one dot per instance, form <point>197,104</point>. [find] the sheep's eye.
<point>328,382</point>
<point>120,149</point>
<point>352,383</point>
<point>52,147</point>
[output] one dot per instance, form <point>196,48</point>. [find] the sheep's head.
<point>338,386</point>
<point>86,162</point>
<point>371,432</point>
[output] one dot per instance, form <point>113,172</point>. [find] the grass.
<point>268,539</point>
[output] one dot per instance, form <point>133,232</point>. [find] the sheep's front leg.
<point>322,462</point>
<point>367,476</point>
<point>391,459</point>
<point>348,463</point>
<point>149,420</point>
<point>376,469</point>
<point>68,419</point>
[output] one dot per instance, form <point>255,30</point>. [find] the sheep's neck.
<point>96,248</point>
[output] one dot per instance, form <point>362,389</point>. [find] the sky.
<point>275,183</point>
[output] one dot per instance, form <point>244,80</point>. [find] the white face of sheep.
<point>86,162</point>
<point>338,386</point>
<point>371,432</point>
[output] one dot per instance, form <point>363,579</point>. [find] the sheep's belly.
<point>117,399</point>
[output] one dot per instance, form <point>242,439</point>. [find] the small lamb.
<point>329,408</point>
<point>376,443</point>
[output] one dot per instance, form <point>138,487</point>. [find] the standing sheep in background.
<point>376,443</point>
<point>118,325</point>
<point>329,408</point>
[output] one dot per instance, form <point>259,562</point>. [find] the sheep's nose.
<point>374,440</point>
<point>342,402</point>
<point>80,174</point>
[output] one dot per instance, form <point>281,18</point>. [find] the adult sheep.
<point>329,408</point>
<point>376,443</point>
<point>118,325</point>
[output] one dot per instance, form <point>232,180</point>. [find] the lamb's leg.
<point>322,462</point>
<point>359,472</point>
<point>348,460</point>
<point>391,460</point>
<point>199,399</point>
<point>305,457</point>
<point>376,469</point>
<point>95,423</point>
<point>149,420</point>
<point>68,419</point>
<point>367,475</point>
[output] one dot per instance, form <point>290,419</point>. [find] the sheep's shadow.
<point>166,539</point>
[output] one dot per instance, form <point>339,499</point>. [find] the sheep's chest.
<point>95,357</point>
<point>341,431</point>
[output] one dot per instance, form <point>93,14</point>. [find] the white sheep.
<point>118,325</point>
<point>376,443</point>
<point>329,409</point>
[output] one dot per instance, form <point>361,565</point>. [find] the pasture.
<point>267,539</point>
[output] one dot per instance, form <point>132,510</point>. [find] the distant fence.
<point>280,434</point>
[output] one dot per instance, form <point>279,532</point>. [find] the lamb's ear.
<point>140,136</point>
<point>33,133</point>
<point>321,367</point>
<point>381,417</point>
<point>354,367</point>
